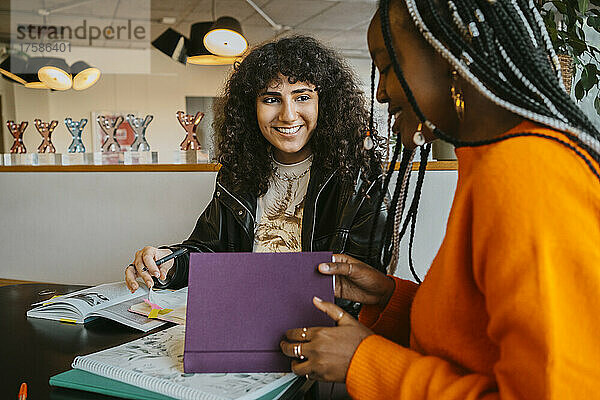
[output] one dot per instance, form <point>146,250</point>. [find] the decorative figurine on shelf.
<point>139,126</point>
<point>110,127</point>
<point>45,129</point>
<point>190,124</point>
<point>17,132</point>
<point>76,128</point>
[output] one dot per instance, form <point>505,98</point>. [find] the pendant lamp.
<point>12,66</point>
<point>198,53</point>
<point>173,44</point>
<point>225,38</point>
<point>84,75</point>
<point>55,74</point>
<point>31,73</point>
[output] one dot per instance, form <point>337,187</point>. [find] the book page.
<point>110,300</point>
<point>119,312</point>
<point>155,363</point>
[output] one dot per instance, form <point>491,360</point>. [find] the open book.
<point>111,300</point>
<point>155,363</point>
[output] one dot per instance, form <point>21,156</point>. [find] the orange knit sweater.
<point>510,308</point>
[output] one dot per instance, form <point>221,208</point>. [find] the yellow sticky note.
<point>68,320</point>
<point>153,313</point>
<point>53,297</point>
<point>165,311</point>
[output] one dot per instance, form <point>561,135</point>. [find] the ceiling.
<point>341,24</point>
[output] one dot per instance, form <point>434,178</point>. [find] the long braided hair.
<point>503,49</point>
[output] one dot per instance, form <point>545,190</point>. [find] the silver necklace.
<point>292,177</point>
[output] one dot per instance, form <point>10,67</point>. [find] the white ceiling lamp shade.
<point>84,75</point>
<point>197,52</point>
<point>225,38</point>
<point>55,75</point>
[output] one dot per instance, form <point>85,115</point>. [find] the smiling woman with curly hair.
<point>343,119</point>
<point>295,174</point>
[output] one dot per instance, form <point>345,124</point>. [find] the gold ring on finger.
<point>300,352</point>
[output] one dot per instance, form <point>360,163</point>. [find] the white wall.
<point>83,228</point>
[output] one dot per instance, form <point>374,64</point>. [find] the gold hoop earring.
<point>418,137</point>
<point>458,98</point>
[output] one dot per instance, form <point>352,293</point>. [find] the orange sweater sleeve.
<point>536,261</point>
<point>393,322</point>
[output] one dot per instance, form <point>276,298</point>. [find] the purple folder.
<point>240,305</point>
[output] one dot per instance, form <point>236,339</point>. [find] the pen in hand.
<point>174,254</point>
<point>163,260</point>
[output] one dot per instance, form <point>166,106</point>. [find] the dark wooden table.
<point>32,350</point>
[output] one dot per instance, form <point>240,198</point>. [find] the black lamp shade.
<point>84,75</point>
<point>198,53</point>
<point>55,74</point>
<point>13,67</point>
<point>173,44</point>
<point>225,38</point>
<point>31,73</point>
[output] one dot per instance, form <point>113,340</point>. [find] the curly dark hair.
<point>336,143</point>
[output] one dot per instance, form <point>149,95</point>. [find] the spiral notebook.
<point>155,363</point>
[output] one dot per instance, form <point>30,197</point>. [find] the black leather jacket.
<point>335,218</point>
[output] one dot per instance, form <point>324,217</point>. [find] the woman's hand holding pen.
<point>144,266</point>
<point>358,281</point>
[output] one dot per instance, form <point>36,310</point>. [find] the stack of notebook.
<point>238,307</point>
<point>152,368</point>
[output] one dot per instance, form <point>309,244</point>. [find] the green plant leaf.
<point>597,104</point>
<point>560,6</point>
<point>579,91</point>
<point>589,77</point>
<point>594,22</point>
<point>583,6</point>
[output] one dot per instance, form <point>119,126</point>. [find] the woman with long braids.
<point>508,308</point>
<point>299,169</point>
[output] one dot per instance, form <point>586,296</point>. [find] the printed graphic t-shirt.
<point>279,211</point>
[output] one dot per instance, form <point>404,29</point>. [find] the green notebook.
<point>152,368</point>
<point>86,381</point>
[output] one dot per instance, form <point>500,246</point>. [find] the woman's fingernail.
<point>318,299</point>
<point>324,267</point>
<point>157,274</point>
